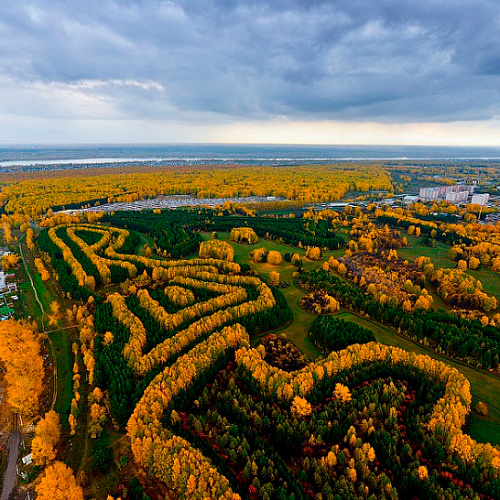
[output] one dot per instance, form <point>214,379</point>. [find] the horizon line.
<point>63,143</point>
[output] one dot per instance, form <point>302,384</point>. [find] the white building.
<point>458,197</point>
<point>480,199</point>
<point>429,193</point>
<point>441,192</point>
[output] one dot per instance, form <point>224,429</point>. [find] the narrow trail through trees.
<point>32,283</point>
<point>42,309</point>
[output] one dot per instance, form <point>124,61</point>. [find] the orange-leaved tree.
<point>274,257</point>
<point>47,434</point>
<point>20,354</point>
<point>10,261</point>
<point>59,483</point>
<point>301,407</point>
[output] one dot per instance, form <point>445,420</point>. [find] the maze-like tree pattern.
<point>209,418</point>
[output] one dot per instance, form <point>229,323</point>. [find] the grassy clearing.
<point>489,279</point>
<point>31,308</point>
<point>439,257</point>
<point>297,331</point>
<point>242,251</point>
<point>437,254</point>
<point>43,294</point>
<point>143,241</point>
<point>61,342</point>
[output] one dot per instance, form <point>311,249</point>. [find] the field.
<point>438,254</point>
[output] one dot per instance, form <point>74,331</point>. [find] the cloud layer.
<point>223,61</point>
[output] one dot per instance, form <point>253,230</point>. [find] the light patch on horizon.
<point>275,132</point>
<point>430,134</point>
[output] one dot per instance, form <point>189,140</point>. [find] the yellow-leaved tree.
<point>216,249</point>
<point>10,261</point>
<point>274,257</point>
<point>243,235</point>
<point>59,483</point>
<point>274,278</point>
<point>55,313</point>
<point>20,354</point>
<point>342,392</point>
<point>313,253</point>
<point>301,407</point>
<point>422,472</point>
<point>47,434</point>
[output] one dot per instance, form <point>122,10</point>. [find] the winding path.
<point>42,309</point>
<point>32,283</point>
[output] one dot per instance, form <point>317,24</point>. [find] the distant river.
<point>70,156</point>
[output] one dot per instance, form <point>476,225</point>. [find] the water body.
<point>81,156</point>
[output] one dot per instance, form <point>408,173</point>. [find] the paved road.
<point>10,477</point>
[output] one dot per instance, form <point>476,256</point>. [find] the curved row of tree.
<point>242,436</point>
<point>469,341</point>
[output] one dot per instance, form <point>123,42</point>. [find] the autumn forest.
<point>329,341</point>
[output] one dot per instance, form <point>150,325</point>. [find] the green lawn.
<point>490,280</point>
<point>43,293</point>
<point>64,359</point>
<point>143,241</point>
<point>297,331</point>
<point>438,254</point>
<point>439,257</point>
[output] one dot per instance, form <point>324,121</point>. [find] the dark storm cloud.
<point>389,60</point>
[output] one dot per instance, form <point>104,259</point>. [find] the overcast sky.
<point>303,71</point>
